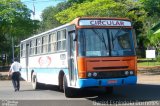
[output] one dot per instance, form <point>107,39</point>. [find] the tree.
<point>15,23</point>
<point>152,9</point>
<point>49,20</point>
<point>100,8</point>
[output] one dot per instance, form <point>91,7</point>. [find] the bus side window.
<point>42,47</point>
<point>44,44</point>
<point>36,47</point>
<point>63,39</point>
<point>39,45</point>
<point>53,42</point>
<point>31,52</point>
<point>49,43</point>
<point>30,48</point>
<point>59,41</point>
<point>22,50</point>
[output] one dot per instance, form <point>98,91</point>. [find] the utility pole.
<point>33,9</point>
<point>12,37</point>
<point>12,49</point>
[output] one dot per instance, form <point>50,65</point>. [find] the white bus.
<point>87,52</point>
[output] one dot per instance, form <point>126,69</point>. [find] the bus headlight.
<point>94,74</point>
<point>131,73</point>
<point>89,74</point>
<point>126,72</point>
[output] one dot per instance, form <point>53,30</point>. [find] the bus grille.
<point>110,74</point>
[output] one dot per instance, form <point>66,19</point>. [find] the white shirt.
<point>15,67</point>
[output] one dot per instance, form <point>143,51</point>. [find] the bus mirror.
<point>134,37</point>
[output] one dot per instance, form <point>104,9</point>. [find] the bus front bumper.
<point>82,83</point>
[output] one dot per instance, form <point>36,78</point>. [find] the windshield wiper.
<point>101,37</point>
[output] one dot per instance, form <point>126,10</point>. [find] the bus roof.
<point>46,32</point>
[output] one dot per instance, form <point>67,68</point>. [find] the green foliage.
<point>96,8</point>
<point>48,16</point>
<point>16,19</point>
<point>15,23</point>
<point>148,63</point>
<point>152,7</point>
<point>158,58</point>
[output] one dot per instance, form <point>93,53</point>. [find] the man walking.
<point>15,74</point>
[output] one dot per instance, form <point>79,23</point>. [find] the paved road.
<point>140,94</point>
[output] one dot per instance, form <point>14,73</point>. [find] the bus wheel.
<point>67,91</point>
<point>35,84</point>
<point>109,90</point>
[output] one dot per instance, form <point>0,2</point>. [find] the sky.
<point>40,5</point>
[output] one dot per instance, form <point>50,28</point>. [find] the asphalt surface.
<point>143,94</point>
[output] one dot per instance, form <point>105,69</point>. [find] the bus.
<point>87,52</point>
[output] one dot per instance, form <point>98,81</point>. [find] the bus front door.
<point>71,59</point>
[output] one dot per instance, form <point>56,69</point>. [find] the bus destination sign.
<point>104,23</point>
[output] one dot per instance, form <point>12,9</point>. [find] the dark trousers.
<point>16,80</point>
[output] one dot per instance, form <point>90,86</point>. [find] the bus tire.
<point>61,75</point>
<point>35,84</point>
<point>67,91</point>
<point>109,90</point>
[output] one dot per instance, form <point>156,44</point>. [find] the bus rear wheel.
<point>35,84</point>
<point>69,92</point>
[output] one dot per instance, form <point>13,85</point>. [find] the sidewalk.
<point>148,79</point>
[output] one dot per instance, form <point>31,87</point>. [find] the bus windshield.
<point>105,42</point>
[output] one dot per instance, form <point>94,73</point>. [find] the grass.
<point>148,62</point>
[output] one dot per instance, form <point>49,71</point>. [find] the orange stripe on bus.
<point>81,67</point>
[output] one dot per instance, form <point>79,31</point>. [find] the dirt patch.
<point>149,70</point>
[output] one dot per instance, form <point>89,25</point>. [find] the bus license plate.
<point>112,81</point>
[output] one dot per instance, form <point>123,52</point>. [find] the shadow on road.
<point>141,93</point>
<point>48,87</point>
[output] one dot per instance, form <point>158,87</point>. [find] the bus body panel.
<point>46,67</point>
<point>45,76</point>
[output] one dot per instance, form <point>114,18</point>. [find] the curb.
<point>4,77</point>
